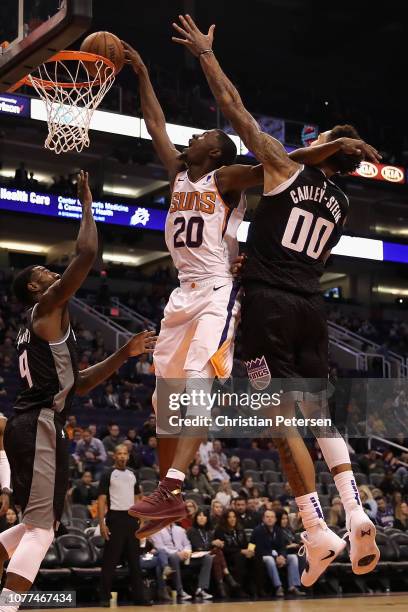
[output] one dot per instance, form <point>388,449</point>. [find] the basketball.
<point>107,45</point>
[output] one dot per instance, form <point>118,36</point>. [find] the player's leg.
<point>364,552</point>
<point>271,323</point>
<point>33,447</point>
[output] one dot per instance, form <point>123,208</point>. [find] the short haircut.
<point>341,162</point>
<point>228,149</point>
<point>20,286</point>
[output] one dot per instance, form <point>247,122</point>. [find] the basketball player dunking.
<point>299,219</point>
<point>34,438</point>
<point>196,338</point>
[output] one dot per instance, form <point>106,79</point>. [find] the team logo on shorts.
<point>258,373</point>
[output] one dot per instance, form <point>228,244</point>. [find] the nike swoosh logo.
<point>329,556</point>
<point>216,288</point>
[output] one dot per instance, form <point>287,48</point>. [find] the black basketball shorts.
<point>37,450</point>
<point>284,336</point>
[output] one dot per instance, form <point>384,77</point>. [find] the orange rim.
<point>71,56</point>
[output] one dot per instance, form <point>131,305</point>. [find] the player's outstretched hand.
<point>84,192</point>
<point>236,266</point>
<point>142,343</point>
<point>194,40</point>
<point>132,57</point>
<point>353,146</point>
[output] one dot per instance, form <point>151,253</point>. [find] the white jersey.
<point>201,231</point>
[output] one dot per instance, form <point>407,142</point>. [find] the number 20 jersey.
<point>293,228</point>
<point>201,231</point>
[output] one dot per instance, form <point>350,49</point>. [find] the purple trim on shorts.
<point>231,302</point>
<point>228,217</point>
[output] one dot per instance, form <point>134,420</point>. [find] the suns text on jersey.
<point>193,200</point>
<point>317,194</point>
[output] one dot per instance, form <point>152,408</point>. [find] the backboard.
<point>34,30</point>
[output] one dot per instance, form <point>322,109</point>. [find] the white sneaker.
<point>184,596</point>
<point>364,552</point>
<point>320,552</point>
<point>203,594</point>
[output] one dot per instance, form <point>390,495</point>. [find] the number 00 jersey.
<point>201,231</point>
<point>48,370</point>
<point>293,228</point>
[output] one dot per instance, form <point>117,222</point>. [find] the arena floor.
<point>363,603</point>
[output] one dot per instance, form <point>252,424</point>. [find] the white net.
<point>71,95</point>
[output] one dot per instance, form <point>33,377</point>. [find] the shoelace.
<point>159,495</point>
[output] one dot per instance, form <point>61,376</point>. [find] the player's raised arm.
<point>91,377</point>
<point>316,154</point>
<point>267,149</point>
<point>86,251</point>
<point>153,115</point>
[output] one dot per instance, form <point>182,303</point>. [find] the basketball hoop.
<point>72,84</point>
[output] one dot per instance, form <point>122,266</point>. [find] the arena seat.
<point>197,497</point>
<point>80,512</point>
<point>249,464</point>
<point>97,544</point>
<point>74,551</point>
<point>148,486</point>
<point>271,476</point>
<point>401,542</point>
<point>50,569</point>
<point>275,489</point>
<point>268,464</point>
<point>147,473</point>
<point>256,475</point>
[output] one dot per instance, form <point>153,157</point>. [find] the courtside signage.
<point>16,106</point>
<point>381,172</point>
<point>138,217</point>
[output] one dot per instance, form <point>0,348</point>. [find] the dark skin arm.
<point>91,377</point>
<point>154,116</point>
<point>51,318</point>
<point>278,166</point>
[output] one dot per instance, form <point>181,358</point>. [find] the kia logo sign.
<point>392,174</point>
<point>367,170</point>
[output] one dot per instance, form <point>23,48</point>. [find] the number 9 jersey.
<point>201,230</point>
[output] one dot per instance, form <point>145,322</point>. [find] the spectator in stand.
<point>390,483</point>
<point>371,462</point>
<point>129,402</point>
<point>289,535</point>
<point>391,463</point>
<point>234,470</point>
<point>201,536</point>
<point>173,541</point>
<point>73,443</point>
<point>149,454</point>
<point>247,518</point>
<point>7,349</point>
<point>71,425</point>
<point>92,455</point>
<point>216,513</point>
<point>84,493</point>
<point>149,428</point>
<point>225,494</point>
<point>205,450</point>
<point>215,471</point>
<point>368,501</point>
<point>247,489</point>
<point>151,558</point>
<point>254,504</point>
<point>337,516</point>
<point>270,549</point>
<point>198,482</point>
<point>236,552</point>
<point>385,515</point>
<point>133,436</point>
<point>401,516</point>
<point>134,459</point>
<point>217,448</point>
<point>32,182</point>
<point>191,508</point>
<point>287,497</point>
<point>114,438</point>
<point>143,365</point>
<point>10,520</point>
<point>111,397</point>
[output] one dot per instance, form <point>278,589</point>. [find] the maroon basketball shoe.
<point>165,502</point>
<point>149,528</point>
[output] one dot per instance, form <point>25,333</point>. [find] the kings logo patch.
<point>258,373</point>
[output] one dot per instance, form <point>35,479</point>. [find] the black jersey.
<point>294,227</point>
<point>48,370</point>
